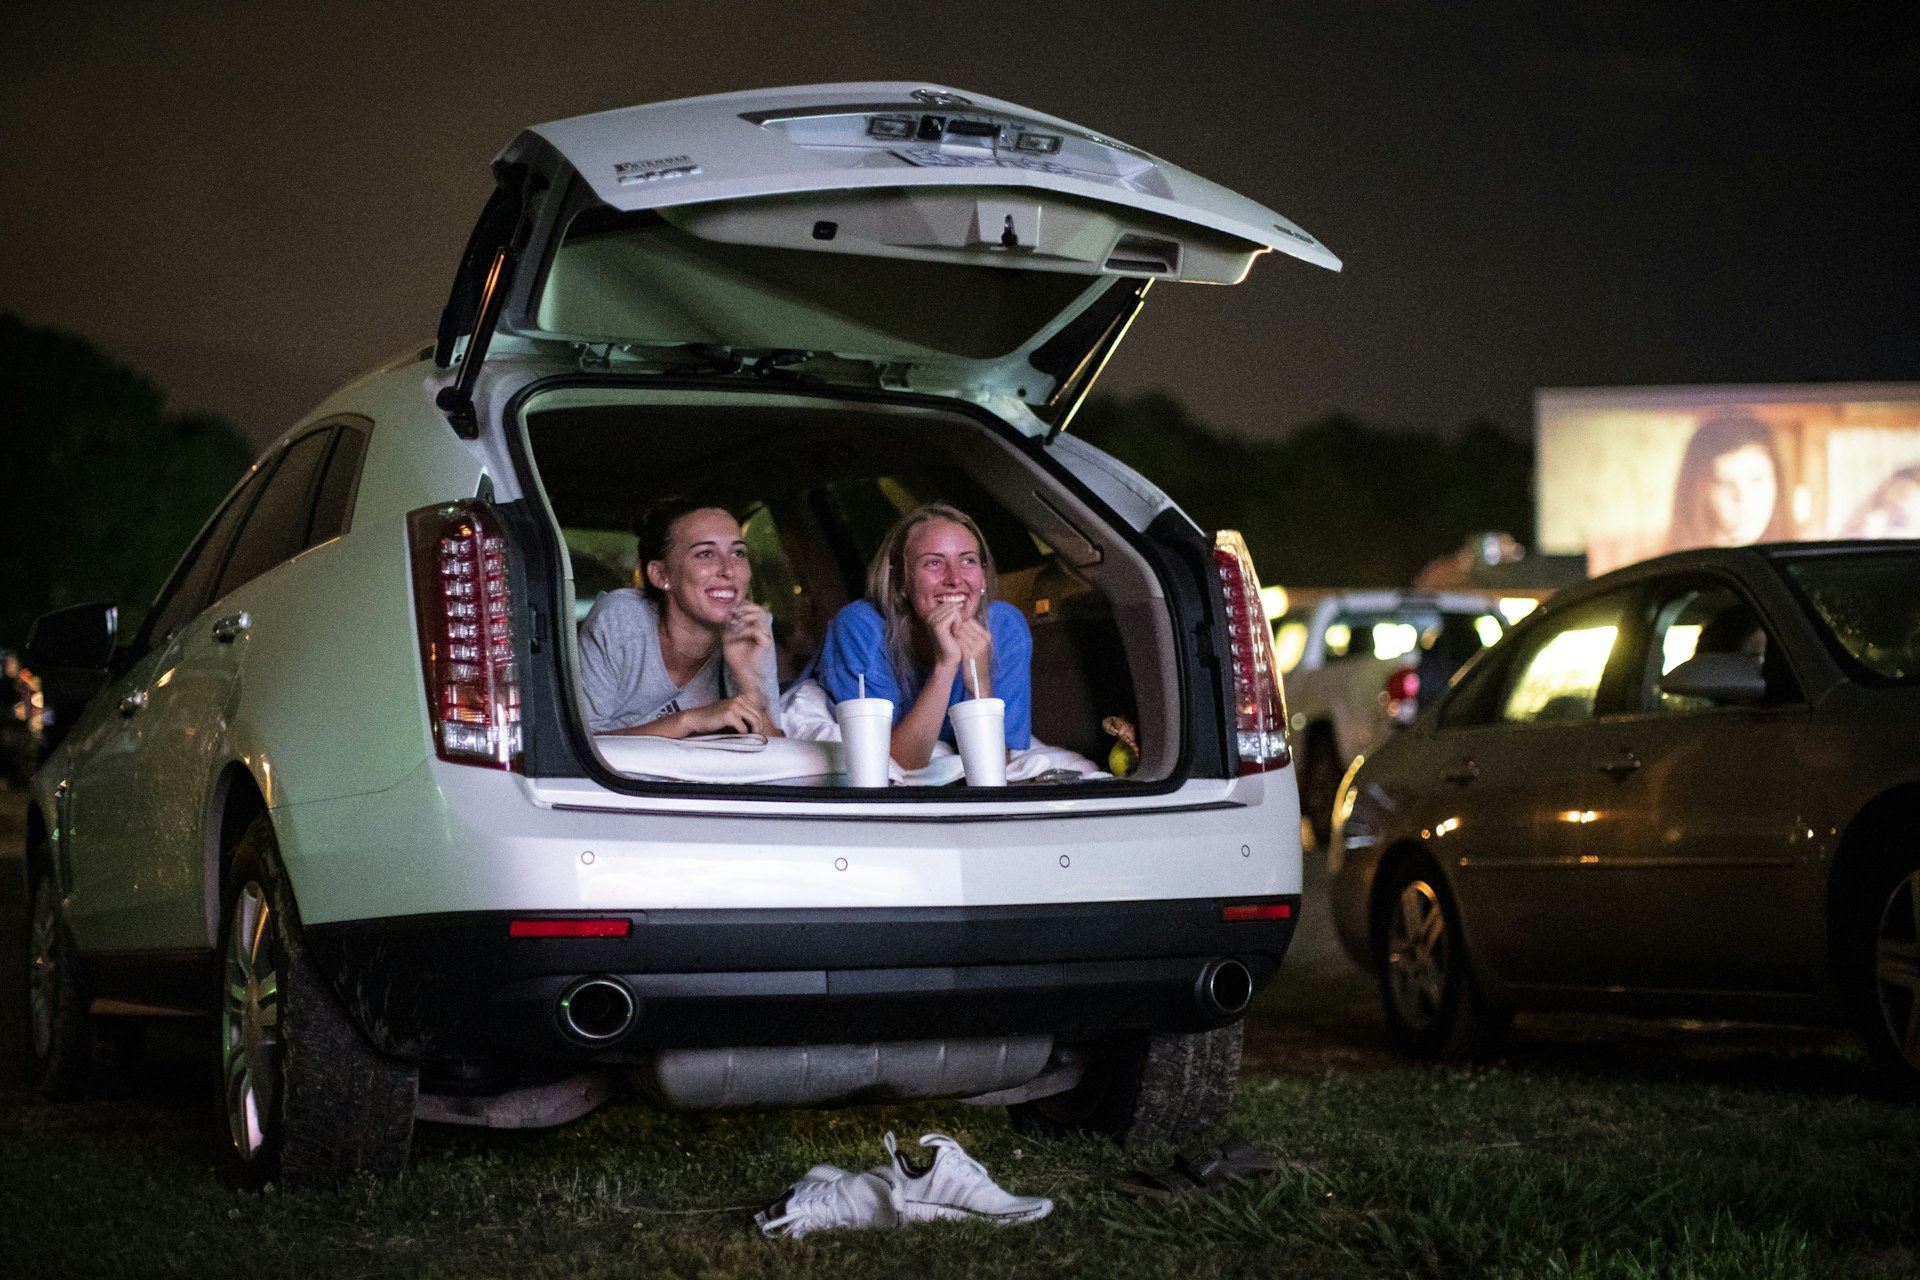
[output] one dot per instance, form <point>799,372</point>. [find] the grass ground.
<point>1598,1148</point>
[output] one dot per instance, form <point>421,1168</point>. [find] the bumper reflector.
<point>1257,911</point>
<point>619,928</point>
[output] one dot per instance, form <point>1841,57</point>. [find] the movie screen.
<point>1627,473</point>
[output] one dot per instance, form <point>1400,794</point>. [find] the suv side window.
<point>277,528</point>
<point>190,588</point>
<point>333,506</point>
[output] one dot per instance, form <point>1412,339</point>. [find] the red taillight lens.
<point>1257,911</point>
<point>615,928</point>
<point>1403,695</point>
<point>1259,722</point>
<point>463,600</point>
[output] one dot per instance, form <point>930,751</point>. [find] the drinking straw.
<point>974,671</point>
<point>863,684</point>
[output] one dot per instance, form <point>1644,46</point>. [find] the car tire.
<point>59,1028</point>
<point>1881,965</point>
<point>1433,1003</point>
<point>1144,1087</point>
<point>1320,773</point>
<point>304,1100</point>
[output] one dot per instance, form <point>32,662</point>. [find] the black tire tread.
<point>67,1069</point>
<point>344,1107</point>
<point>1897,858</point>
<point>1143,1088</point>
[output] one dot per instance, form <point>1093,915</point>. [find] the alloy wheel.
<point>1419,955</point>
<point>250,1021</point>
<point>1896,967</point>
<point>43,974</point>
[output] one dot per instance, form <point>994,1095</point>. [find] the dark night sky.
<point>250,203</point>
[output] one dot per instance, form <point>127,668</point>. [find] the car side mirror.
<point>72,650</point>
<point>1718,677</point>
<point>79,637</point>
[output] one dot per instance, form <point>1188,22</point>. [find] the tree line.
<point>1334,502</point>
<point>107,488</point>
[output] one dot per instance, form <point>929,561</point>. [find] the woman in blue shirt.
<point>927,629</point>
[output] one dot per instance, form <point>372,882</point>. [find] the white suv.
<point>339,792</point>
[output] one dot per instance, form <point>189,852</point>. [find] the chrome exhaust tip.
<point>597,1010</point>
<point>1225,988</point>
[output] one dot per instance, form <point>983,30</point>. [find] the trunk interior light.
<point>464,605</point>
<point>1259,719</point>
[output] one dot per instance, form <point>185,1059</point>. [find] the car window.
<point>276,530</point>
<point>774,584</point>
<point>333,505</point>
<point>857,515</point>
<point>189,589</point>
<point>1868,609</point>
<point>1691,619</point>
<point>1394,633</point>
<point>1559,673</point>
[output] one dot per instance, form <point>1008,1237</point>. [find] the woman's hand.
<point>748,635</point>
<point>962,644</point>
<point>742,713</point>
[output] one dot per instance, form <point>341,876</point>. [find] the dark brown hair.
<point>653,527</point>
<point>1692,525</point>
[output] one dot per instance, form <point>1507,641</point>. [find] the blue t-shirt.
<point>856,645</point>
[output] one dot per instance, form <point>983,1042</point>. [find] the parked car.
<point>1689,787</point>
<point>339,793</point>
<point>22,720</point>
<point>1367,661</point>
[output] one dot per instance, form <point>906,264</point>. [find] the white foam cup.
<point>866,735</point>
<point>980,727</point>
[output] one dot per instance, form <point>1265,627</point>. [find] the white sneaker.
<point>954,1186</point>
<point>829,1197</point>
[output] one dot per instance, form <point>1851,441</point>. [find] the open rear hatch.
<point>883,236</point>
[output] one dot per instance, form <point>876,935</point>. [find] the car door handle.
<point>1463,773</point>
<point>1621,767</point>
<point>231,626</point>
<point>132,703</point>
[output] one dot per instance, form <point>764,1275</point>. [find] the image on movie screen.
<point>1627,473</point>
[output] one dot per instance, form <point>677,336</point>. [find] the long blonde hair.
<point>890,585</point>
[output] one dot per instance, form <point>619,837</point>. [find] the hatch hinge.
<point>781,365</point>
<point>496,242</point>
<point>1073,389</point>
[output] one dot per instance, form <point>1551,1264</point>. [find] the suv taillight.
<point>1259,720</point>
<point>464,603</point>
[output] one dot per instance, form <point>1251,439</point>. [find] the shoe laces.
<point>829,1198</point>
<point>952,1185</point>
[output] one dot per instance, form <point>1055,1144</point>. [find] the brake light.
<point>463,601</point>
<point>1259,719</point>
<point>1403,695</point>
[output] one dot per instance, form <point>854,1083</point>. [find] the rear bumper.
<point>441,987</point>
